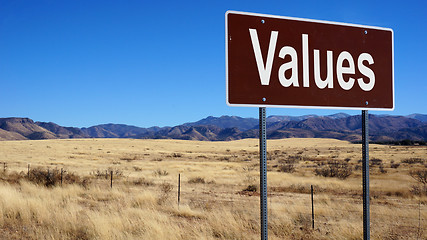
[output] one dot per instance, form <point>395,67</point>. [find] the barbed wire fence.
<point>326,214</point>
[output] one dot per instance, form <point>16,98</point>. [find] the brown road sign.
<point>275,61</point>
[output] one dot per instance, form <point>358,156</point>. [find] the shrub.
<point>294,159</point>
<point>287,168</point>
<point>142,181</point>
<point>419,190</point>
<point>413,161</point>
<point>419,175</point>
<point>137,169</point>
<point>70,178</point>
<point>394,165</point>
<point>251,188</point>
<point>49,177</point>
<point>303,221</point>
<point>196,180</point>
<point>85,182</point>
<point>382,170</point>
<point>12,177</point>
<point>106,173</point>
<point>375,161</point>
<point>165,189</point>
<point>334,168</point>
<point>100,173</point>
<point>42,177</point>
<point>160,173</point>
<point>129,158</point>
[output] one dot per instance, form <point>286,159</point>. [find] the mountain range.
<point>382,128</point>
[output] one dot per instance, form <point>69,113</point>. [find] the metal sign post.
<point>365,174</point>
<point>263,172</point>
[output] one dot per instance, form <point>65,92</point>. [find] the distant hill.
<point>7,135</point>
<point>23,128</point>
<point>117,131</point>
<point>275,118</point>
<point>421,117</point>
<point>349,128</point>
<point>382,128</point>
<point>227,122</point>
<point>120,130</point>
<point>63,132</point>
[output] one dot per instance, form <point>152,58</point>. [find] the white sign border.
<point>304,20</point>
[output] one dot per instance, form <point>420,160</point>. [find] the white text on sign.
<point>265,67</point>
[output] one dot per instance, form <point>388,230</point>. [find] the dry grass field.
<point>219,189</point>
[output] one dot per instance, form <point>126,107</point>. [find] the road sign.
<point>274,61</point>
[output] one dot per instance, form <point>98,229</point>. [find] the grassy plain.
<point>217,181</point>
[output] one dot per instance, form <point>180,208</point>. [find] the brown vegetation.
<point>219,190</point>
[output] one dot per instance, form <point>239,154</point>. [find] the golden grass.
<point>143,201</point>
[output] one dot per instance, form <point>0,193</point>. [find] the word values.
<point>345,68</point>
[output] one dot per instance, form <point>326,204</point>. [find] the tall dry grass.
<point>143,201</point>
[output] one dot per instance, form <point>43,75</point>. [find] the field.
<point>219,195</point>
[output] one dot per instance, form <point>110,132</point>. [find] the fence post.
<point>419,219</point>
<point>4,167</point>
<point>111,183</point>
<point>61,176</point>
<point>179,188</point>
<point>28,173</point>
<point>312,207</point>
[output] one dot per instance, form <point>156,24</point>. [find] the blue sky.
<point>162,63</point>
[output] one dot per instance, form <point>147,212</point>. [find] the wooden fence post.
<point>179,188</point>
<point>312,207</point>
<point>111,183</point>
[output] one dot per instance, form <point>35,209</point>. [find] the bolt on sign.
<point>274,61</point>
